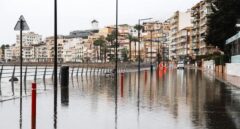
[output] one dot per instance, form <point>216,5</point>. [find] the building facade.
<point>8,56</point>
<point>29,38</point>
<point>199,14</point>
<point>50,48</point>
<point>184,43</point>
<point>40,51</point>
<point>178,21</point>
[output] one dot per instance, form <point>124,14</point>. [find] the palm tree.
<point>111,38</point>
<point>99,42</point>
<point>130,38</point>
<point>105,50</point>
<point>138,27</point>
<point>135,40</point>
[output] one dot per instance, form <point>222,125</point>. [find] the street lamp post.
<point>158,56</point>
<point>151,51</point>
<point>139,28</point>
<point>163,54</point>
<point>55,64</point>
<point>116,45</point>
<point>116,72</point>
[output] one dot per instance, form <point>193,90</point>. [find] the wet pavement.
<point>174,99</point>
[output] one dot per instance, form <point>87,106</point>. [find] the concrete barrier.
<point>233,69</point>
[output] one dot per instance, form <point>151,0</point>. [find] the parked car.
<point>180,65</point>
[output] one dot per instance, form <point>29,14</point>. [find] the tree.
<point>125,54</point>
<point>111,38</point>
<point>130,38</point>
<point>104,50</point>
<point>221,23</point>
<point>138,27</point>
<point>135,40</point>
<point>100,42</point>
<point>3,47</point>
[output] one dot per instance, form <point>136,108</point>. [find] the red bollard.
<point>160,73</point>
<point>122,75</point>
<point>34,88</point>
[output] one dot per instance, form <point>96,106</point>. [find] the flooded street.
<point>174,99</point>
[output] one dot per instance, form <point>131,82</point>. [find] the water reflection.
<point>182,99</point>
<point>55,110</point>
<point>116,101</point>
<point>138,98</point>
<point>20,114</point>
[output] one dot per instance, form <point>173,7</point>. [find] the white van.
<point>180,65</point>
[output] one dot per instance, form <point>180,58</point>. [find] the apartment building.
<point>8,56</point>
<point>151,38</point>
<point>40,52</point>
<point>1,54</point>
<point>50,48</point>
<point>29,38</point>
<point>105,31</point>
<point>157,33</point>
<point>199,14</point>
<point>28,53</point>
<point>178,21</point>
<point>73,50</point>
<point>183,43</point>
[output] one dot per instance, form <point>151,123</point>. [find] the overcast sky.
<point>77,14</point>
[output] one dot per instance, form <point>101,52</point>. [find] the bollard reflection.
<point>122,83</point>
<point>65,85</point>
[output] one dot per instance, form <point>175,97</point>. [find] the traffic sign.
<point>24,24</point>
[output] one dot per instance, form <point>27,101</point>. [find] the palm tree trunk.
<point>135,51</point>
<point>130,50</point>
<point>100,53</point>
<point>97,55</point>
<point>105,55</point>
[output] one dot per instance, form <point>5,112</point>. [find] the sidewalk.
<point>227,79</point>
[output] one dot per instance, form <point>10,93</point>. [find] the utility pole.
<point>151,50</point>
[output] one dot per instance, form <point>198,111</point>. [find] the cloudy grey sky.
<point>77,14</point>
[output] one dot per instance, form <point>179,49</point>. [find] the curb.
<point>219,79</point>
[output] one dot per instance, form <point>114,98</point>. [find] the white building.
<point>95,25</point>
<point>178,21</point>
<point>184,43</point>
<point>29,38</point>
<point>41,54</point>
<point>8,56</point>
<point>50,48</point>
<point>28,53</point>
<point>72,50</point>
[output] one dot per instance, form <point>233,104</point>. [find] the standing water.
<point>174,99</point>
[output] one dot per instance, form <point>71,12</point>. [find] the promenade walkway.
<point>225,78</point>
